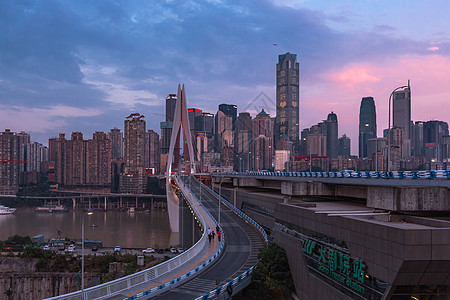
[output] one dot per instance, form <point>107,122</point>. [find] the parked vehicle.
<point>94,248</point>
<point>148,250</point>
<point>173,250</point>
<point>47,247</point>
<point>117,249</point>
<point>180,250</point>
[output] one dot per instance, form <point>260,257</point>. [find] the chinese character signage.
<point>338,265</point>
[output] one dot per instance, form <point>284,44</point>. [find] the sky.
<point>86,65</point>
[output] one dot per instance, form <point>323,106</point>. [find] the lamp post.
<point>220,190</point>
<point>82,253</point>
<point>389,125</point>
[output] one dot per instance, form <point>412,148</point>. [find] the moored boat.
<point>51,208</point>
<point>4,210</point>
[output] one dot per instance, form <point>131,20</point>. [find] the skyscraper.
<point>224,132</point>
<point>229,110</point>
<point>433,133</point>
<point>243,137</point>
<point>402,111</point>
<point>344,146</point>
<point>332,135</point>
<point>207,124</point>
<point>287,115</point>
<point>166,127</point>
<point>367,124</point>
<point>262,148</point>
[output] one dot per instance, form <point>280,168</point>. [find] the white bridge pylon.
<point>180,125</point>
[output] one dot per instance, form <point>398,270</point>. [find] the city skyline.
<point>85,66</point>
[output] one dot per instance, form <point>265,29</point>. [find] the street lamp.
<point>82,253</point>
<point>389,125</point>
<point>220,190</point>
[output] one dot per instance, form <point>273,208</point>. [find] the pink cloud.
<point>354,75</point>
<point>341,91</point>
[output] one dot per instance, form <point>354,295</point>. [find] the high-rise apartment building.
<point>83,163</point>
<point>152,152</point>
<point>287,106</point>
<point>98,160</point>
<point>132,180</point>
<point>12,161</point>
<point>332,135</point>
<point>116,138</point>
<point>367,124</point>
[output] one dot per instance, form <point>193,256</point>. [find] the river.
<point>128,230</point>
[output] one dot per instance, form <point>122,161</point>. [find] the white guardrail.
<point>431,174</point>
<point>150,275</point>
<point>229,286</point>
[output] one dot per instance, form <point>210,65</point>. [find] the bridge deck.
<point>241,251</point>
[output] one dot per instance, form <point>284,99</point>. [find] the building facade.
<point>132,179</point>
<point>116,138</point>
<point>287,104</point>
<point>367,124</point>
<point>332,135</point>
<point>344,146</point>
<point>402,110</point>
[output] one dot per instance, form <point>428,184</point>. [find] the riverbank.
<point>128,230</point>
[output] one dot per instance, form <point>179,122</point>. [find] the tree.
<point>271,279</point>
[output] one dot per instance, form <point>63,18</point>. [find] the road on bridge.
<point>242,242</point>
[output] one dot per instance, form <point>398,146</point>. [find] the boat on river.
<point>4,210</point>
<point>52,208</point>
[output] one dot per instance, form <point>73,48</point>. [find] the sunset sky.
<point>85,65</point>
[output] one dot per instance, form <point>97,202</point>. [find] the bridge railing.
<point>430,174</point>
<point>244,278</point>
<point>195,204</point>
<point>151,275</point>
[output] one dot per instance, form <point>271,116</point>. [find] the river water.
<point>128,230</point>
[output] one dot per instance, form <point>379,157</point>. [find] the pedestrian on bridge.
<point>218,235</point>
<point>209,234</point>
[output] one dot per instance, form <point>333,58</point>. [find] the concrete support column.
<point>74,203</point>
<point>105,203</point>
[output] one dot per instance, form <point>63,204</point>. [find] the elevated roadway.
<point>215,270</point>
<point>240,253</point>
